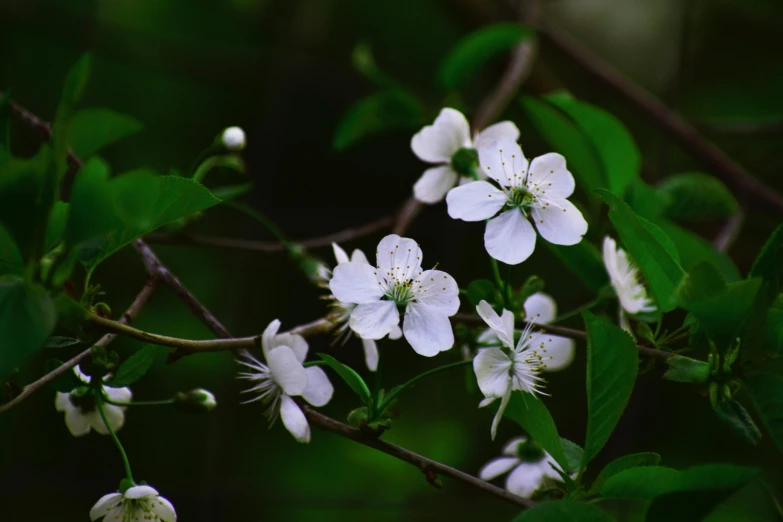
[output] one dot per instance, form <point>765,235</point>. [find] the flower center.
<point>401,293</point>
<point>465,161</point>
<point>83,399</point>
<point>530,451</point>
<point>519,197</point>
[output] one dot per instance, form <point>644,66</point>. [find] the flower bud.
<point>233,138</point>
<point>195,401</point>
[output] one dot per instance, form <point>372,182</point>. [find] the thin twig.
<point>410,209</point>
<point>730,231</point>
<point>685,133</point>
<point>127,317</point>
<point>342,236</point>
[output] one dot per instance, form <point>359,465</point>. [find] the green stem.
<point>499,281</point>
<point>99,399</point>
<point>576,311</point>
<point>399,389</point>
<point>140,403</point>
<point>374,406</point>
<point>202,156</point>
<point>268,223</point>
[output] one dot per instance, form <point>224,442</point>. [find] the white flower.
<point>624,277</point>
<point>341,312</point>
<point>233,138</point>
<point>540,308</point>
<point>136,504</point>
<point>428,298</point>
<point>529,467</point>
<point>441,143</point>
<point>81,415</point>
<point>499,371</point>
<point>538,190</point>
<point>284,377</point>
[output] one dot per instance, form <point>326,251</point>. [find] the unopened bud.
<point>195,401</point>
<point>233,138</point>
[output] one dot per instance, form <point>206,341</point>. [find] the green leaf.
<point>650,248</point>
<point>766,392</point>
<point>474,50</point>
<point>564,137</point>
<point>584,260</point>
<point>61,342</point>
<point>55,229</point>
<point>611,140</point>
<point>612,364</point>
<point>695,196</point>
<point>481,290</point>
<point>27,317</point>
<point>694,249</point>
<point>634,460</point>
<point>533,416</point>
<point>573,453</point>
<point>738,419</point>
<point>94,129</point>
<point>75,83</point>
<point>685,369</point>
<point>66,382</point>
<point>135,366</point>
<point>769,264</point>
<point>563,511</point>
<point>643,482</point>
<point>349,375</point>
<point>11,261</point>
<point>380,112</point>
<point>694,493</point>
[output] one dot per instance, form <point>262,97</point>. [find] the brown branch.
<point>342,236</point>
<point>409,211</point>
<point>686,134</point>
<point>127,317</point>
<point>425,464</point>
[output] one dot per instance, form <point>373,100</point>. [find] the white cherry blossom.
<point>81,415</point>
<point>136,504</point>
<point>397,283</point>
<point>624,277</point>
<point>500,371</point>
<point>283,377</point>
<point>528,464</point>
<point>536,191</point>
<point>443,143</point>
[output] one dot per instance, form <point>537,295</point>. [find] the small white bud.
<point>233,138</point>
<point>195,401</point>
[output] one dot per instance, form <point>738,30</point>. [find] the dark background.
<point>282,70</point>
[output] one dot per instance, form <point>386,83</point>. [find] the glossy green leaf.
<point>55,229</point>
<point>634,460</point>
<point>66,382</point>
<point>737,418</point>
<point>573,453</point>
<point>94,129</point>
<point>685,369</point>
<point>61,342</point>
<point>693,249</point>
<point>349,375</point>
<point>769,263</point>
<point>584,260</point>
<point>474,50</point>
<point>766,392</point>
<point>380,112</point>
<point>75,84</point>
<point>650,249</point>
<point>612,364</point>
<point>614,145</point>
<point>27,317</point>
<point>11,261</point>
<point>533,416</point>
<point>642,482</point>
<point>563,511</point>
<point>694,196</point>
<point>135,366</point>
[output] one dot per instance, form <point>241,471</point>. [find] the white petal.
<point>355,283</point>
<point>561,352</point>
<point>436,143</point>
<point>164,510</point>
<point>104,505</point>
<point>137,492</point>
<point>501,130</point>
<point>118,394</point>
<point>540,308</point>
<point>374,320</point>
<point>486,402</point>
<point>510,237</point>
<point>503,161</point>
<point>371,352</point>
<point>114,414</point>
<point>294,420</point>
<point>489,338</point>
<point>81,375</point>
<point>286,370</point>
<point>357,256</point>
<point>439,290</point>
<point>549,177</point>
<point>503,326</point>
<point>76,422</point>
<point>524,480</point>
<point>474,201</point>
<point>434,183</point>
<point>560,222</point>
<point>399,258</point>
<point>296,342</point>
<point>499,415</point>
<point>268,337</point>
<point>319,389</point>
<point>395,333</point>
<point>62,402</point>
<point>496,467</point>
<point>512,447</point>
<point>427,329</point>
<point>339,254</point>
<point>116,514</point>
<point>492,367</point>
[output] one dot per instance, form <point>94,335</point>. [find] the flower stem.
<point>99,399</point>
<point>399,389</point>
<point>141,403</point>
<point>374,406</point>
<point>264,220</point>
<point>576,311</point>
<point>501,284</point>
